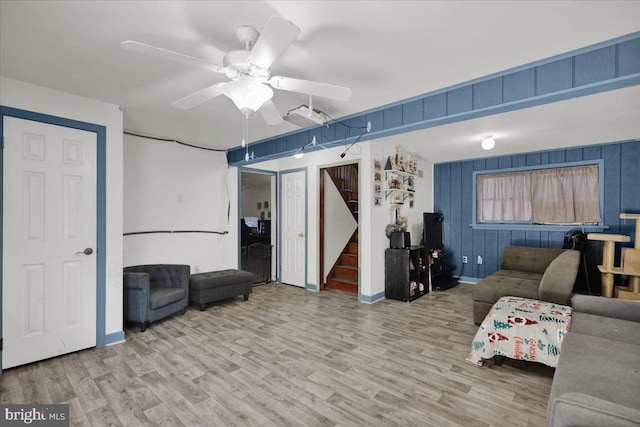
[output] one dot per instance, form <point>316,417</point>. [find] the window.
<point>547,195</point>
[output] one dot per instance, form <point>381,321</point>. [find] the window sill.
<point>535,227</point>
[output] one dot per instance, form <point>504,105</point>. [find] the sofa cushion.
<point>606,327</point>
<point>507,282</point>
<point>534,260</point>
<point>161,297</point>
<point>599,367</point>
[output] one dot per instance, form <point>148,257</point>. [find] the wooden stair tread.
<point>342,284</point>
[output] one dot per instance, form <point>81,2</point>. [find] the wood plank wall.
<point>453,183</point>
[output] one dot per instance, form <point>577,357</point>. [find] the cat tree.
<point>630,261</point>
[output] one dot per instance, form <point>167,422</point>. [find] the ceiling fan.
<point>249,71</point>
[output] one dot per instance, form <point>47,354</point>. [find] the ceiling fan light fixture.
<point>247,95</point>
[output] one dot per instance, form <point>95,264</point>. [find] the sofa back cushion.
<point>557,282</point>
<point>533,260</point>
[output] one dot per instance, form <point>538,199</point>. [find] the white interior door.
<point>49,219</point>
<point>294,213</point>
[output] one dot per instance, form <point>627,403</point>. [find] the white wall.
<point>25,96</point>
<point>372,219</point>
<point>173,187</point>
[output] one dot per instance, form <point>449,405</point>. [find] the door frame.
<point>101,201</point>
<point>306,226</point>
<point>322,168</point>
<point>273,208</point>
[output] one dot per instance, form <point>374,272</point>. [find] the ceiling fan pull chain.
<point>245,136</point>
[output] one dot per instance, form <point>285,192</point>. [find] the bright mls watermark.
<point>52,415</point>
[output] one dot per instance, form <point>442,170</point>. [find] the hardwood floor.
<point>294,357</point>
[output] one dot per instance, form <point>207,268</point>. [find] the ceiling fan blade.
<point>159,52</point>
<point>325,90</point>
<point>276,36</point>
<point>199,97</point>
<point>270,113</point>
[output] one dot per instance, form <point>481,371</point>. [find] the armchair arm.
<point>138,281</point>
<point>136,295</point>
<point>577,409</point>
<point>607,307</point>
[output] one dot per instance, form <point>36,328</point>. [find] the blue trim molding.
<point>101,138</point>
<point>606,66</point>
<point>311,287</point>
<point>114,338</point>
<point>371,298</point>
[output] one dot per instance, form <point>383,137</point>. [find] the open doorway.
<point>257,224</point>
<point>339,246</point>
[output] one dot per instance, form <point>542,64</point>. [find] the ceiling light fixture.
<point>488,142</point>
<point>248,95</point>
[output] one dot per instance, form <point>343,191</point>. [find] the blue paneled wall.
<point>453,184</point>
<point>610,65</point>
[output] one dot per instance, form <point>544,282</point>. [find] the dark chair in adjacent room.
<point>153,292</point>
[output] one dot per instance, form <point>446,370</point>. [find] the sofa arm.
<point>577,409</point>
<point>559,278</point>
<point>607,307</point>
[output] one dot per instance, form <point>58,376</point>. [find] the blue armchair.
<point>153,292</point>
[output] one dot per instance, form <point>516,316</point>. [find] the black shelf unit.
<point>442,272</point>
<point>404,267</point>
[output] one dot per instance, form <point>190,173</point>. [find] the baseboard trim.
<point>311,287</point>
<point>114,338</point>
<point>371,298</point>
<point>466,279</point>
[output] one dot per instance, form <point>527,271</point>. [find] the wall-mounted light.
<point>488,142</point>
<point>298,155</point>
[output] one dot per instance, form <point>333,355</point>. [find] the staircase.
<point>344,274</point>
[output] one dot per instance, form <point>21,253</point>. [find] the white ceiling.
<point>384,50</point>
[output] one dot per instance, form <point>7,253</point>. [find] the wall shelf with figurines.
<point>400,174</point>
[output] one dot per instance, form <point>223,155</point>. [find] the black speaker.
<point>432,237</point>
<point>400,239</point>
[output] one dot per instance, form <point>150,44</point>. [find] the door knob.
<point>301,234</point>
<point>87,251</point>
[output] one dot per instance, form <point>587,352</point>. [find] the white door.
<point>49,283</point>
<point>294,213</point>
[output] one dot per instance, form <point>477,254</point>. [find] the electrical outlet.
<point>465,259</point>
<point>479,259</point>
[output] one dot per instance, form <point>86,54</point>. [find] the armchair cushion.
<point>161,297</point>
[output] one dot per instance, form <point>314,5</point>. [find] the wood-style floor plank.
<point>290,357</point>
